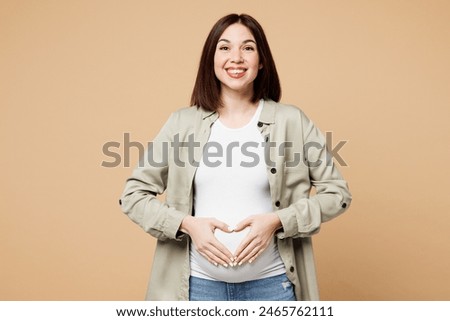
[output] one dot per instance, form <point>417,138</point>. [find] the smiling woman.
<point>228,231</point>
<point>234,40</point>
<point>236,62</point>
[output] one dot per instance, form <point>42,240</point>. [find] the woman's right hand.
<point>201,230</point>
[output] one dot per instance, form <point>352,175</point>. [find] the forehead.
<point>237,32</point>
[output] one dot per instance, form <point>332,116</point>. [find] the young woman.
<point>237,168</point>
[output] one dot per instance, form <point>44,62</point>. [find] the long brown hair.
<point>206,92</point>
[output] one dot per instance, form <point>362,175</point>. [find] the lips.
<point>236,72</point>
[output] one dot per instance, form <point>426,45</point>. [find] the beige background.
<point>77,74</point>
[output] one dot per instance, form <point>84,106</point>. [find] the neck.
<point>235,102</point>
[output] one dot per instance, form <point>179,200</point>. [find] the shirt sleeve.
<point>148,180</point>
<point>304,217</point>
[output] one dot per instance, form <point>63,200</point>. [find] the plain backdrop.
<point>75,75</point>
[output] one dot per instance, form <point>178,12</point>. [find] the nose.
<point>236,56</point>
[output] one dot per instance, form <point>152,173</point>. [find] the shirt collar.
<point>267,113</point>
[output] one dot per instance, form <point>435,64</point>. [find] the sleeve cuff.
<point>172,224</point>
<point>288,221</point>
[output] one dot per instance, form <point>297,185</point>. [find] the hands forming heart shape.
<point>209,235</point>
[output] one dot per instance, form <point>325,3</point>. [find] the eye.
<point>224,48</point>
<point>249,48</point>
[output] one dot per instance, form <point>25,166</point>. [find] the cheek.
<point>217,67</point>
<point>253,61</point>
<point>256,62</point>
<point>218,60</point>
<point>216,64</point>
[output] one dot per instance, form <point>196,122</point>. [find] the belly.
<point>231,240</point>
<point>265,262</point>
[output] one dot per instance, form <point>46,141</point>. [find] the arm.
<point>139,200</point>
<point>304,217</point>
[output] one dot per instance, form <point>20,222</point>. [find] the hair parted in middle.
<point>206,92</point>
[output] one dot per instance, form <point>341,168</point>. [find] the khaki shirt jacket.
<point>297,160</point>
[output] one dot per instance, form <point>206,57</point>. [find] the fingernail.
<point>215,263</point>
<point>250,261</point>
<point>225,265</point>
<point>231,229</point>
<point>240,263</point>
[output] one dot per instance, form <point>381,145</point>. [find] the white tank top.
<point>231,184</point>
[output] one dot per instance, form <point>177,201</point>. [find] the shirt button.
<point>260,124</point>
<point>344,205</point>
<point>277,203</point>
<point>291,269</point>
<point>273,170</point>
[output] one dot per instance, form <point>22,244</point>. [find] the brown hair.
<point>206,91</point>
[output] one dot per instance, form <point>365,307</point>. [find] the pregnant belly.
<point>235,274</point>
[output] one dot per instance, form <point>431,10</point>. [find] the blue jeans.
<point>275,288</point>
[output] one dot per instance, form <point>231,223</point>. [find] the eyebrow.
<point>244,42</point>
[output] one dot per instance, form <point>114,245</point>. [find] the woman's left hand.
<point>262,228</point>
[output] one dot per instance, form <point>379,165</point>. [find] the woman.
<point>237,168</point>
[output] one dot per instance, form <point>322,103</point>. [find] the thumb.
<point>242,225</point>
<point>222,226</point>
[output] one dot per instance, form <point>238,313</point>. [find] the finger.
<point>256,256</point>
<point>242,246</point>
<point>251,256</point>
<point>222,251</point>
<point>242,225</point>
<point>222,226</point>
<point>213,259</point>
<point>250,250</point>
<point>206,244</point>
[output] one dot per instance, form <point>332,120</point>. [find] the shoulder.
<point>192,112</point>
<point>187,115</point>
<point>286,112</point>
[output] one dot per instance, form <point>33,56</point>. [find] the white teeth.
<point>236,71</point>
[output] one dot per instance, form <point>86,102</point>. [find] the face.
<point>236,60</point>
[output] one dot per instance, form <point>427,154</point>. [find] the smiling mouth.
<point>236,72</point>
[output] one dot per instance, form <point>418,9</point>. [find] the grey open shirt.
<point>301,214</point>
